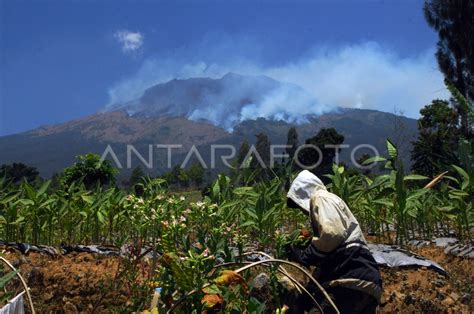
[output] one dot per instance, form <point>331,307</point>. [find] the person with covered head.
<point>344,264</point>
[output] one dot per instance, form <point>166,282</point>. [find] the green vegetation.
<point>453,22</point>
<point>91,171</point>
<point>321,140</point>
<point>230,220</point>
<point>17,172</point>
<point>246,212</point>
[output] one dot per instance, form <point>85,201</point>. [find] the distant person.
<point>344,265</point>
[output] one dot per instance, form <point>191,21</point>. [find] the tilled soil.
<point>74,283</point>
<point>86,283</point>
<point>424,290</point>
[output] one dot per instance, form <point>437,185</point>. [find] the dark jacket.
<point>338,247</point>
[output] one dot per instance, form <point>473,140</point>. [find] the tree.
<point>196,173</point>
<point>309,156</point>
<point>137,176</point>
<point>177,176</point>
<point>292,141</point>
<point>56,180</point>
<point>243,151</point>
<point>91,171</point>
<point>17,172</point>
<point>263,148</point>
<point>453,21</point>
<point>436,146</point>
<point>261,157</point>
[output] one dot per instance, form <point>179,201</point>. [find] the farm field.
<point>187,247</point>
<point>250,157</point>
<point>70,284</point>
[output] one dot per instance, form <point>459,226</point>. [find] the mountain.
<point>224,102</point>
<point>52,148</point>
<point>200,112</point>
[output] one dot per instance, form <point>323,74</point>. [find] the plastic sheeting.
<point>15,305</point>
<point>25,248</point>
<point>111,251</point>
<point>66,249</point>
<point>393,256</point>
<point>451,246</point>
<point>386,255</point>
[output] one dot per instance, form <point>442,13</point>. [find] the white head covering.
<point>303,188</point>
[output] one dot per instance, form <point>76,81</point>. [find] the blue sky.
<point>60,60</point>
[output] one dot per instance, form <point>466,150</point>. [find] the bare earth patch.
<point>84,282</point>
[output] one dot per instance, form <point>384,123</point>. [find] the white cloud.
<point>130,41</point>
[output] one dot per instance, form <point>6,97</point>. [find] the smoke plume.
<point>365,76</point>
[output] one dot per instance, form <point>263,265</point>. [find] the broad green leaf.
<point>379,180</point>
<point>47,202</point>
<point>392,149</point>
<point>413,177</point>
<point>26,202</point>
<point>251,213</point>
<point>373,159</point>
<point>212,289</point>
<point>100,217</point>
<point>43,188</point>
<point>9,199</point>
<point>452,179</point>
<point>417,193</point>
<point>384,202</point>
<point>87,198</point>
<point>6,278</point>
<point>447,209</point>
<point>459,193</point>
<point>464,175</point>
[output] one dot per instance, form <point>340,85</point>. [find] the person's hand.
<point>293,253</point>
<point>304,235</point>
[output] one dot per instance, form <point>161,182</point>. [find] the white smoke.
<point>363,76</point>
<point>285,103</point>
<point>367,76</point>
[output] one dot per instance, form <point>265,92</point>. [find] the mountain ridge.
<point>201,112</point>
<point>51,148</point>
<point>224,102</point>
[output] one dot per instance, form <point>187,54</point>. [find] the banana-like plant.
<point>398,197</point>
<point>461,200</point>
